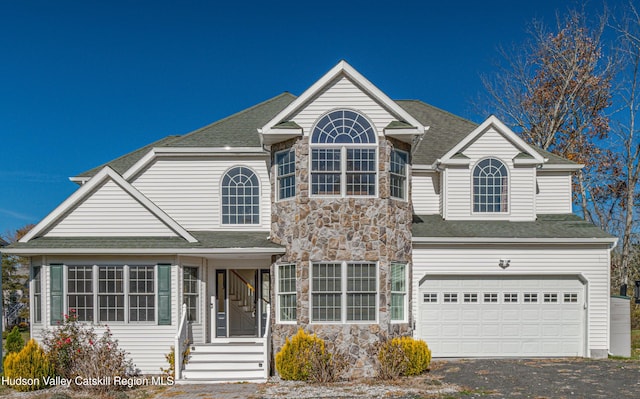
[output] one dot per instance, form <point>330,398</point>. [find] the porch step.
<point>232,360</point>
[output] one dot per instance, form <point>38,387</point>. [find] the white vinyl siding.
<point>425,193</point>
<point>188,190</point>
<point>459,184</point>
<point>553,192</point>
<point>343,94</point>
<point>110,211</point>
<point>590,262</point>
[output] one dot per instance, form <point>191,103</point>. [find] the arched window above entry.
<point>240,196</point>
<point>490,186</point>
<point>344,154</point>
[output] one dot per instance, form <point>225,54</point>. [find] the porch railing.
<point>267,342</point>
<point>181,340</point>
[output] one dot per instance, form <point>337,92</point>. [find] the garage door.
<point>467,316</point>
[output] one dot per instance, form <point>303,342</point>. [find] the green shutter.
<point>164,294</point>
<point>56,278</point>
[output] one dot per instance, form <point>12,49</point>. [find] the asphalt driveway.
<point>541,378</point>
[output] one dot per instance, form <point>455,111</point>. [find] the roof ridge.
<point>170,138</point>
<point>283,94</point>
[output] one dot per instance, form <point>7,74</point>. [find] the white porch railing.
<point>180,342</point>
<point>267,342</point>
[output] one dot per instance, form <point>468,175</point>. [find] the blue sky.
<point>83,82</point>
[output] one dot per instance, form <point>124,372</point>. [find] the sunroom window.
<point>343,155</point>
<point>490,187</point>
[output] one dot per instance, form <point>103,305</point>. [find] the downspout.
<point>418,140</point>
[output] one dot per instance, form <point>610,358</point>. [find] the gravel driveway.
<point>543,378</point>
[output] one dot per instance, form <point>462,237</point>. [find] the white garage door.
<point>467,316</point>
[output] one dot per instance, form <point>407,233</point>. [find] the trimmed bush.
<point>293,362</point>
<point>403,356</point>
<point>15,342</point>
<point>30,364</point>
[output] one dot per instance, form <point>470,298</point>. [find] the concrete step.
<point>229,375</point>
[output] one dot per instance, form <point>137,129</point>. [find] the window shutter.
<point>164,294</point>
<point>56,277</point>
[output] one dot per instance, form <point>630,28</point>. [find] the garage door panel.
<point>494,316</point>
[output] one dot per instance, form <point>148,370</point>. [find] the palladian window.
<point>343,155</point>
<point>490,186</point>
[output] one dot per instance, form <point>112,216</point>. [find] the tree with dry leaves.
<point>554,92</point>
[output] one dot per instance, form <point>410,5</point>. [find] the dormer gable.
<point>283,126</point>
<point>524,154</point>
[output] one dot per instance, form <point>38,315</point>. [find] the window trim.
<point>473,187</point>
<point>197,293</point>
<point>344,293</point>
<point>343,147</point>
<point>279,177</point>
<point>126,292</point>
<point>36,282</point>
<point>405,303</point>
<point>406,175</point>
<point>280,293</point>
<point>259,197</point>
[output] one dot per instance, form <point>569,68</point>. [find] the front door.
<point>239,303</point>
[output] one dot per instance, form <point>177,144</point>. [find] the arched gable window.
<point>343,155</point>
<point>240,196</point>
<point>490,186</point>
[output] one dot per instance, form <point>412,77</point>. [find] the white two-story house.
<point>342,212</point>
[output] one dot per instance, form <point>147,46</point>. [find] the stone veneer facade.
<point>342,229</point>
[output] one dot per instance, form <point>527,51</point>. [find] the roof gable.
<point>108,183</point>
<point>279,128</point>
<point>494,124</point>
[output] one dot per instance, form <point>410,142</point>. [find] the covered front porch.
<point>223,330</point>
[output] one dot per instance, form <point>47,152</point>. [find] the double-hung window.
<point>142,298</point>
<point>343,292</point>
<point>286,171</point>
<point>398,174</point>
<point>287,293</point>
<point>80,292</point>
<point>190,291</point>
<point>111,293</point>
<point>37,294</point>
<point>344,155</point>
<point>399,294</point>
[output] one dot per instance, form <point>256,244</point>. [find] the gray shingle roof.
<point>237,130</point>
<point>546,226</point>
<point>206,240</point>
<point>240,130</point>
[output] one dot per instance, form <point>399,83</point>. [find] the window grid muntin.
<point>570,297</point>
<point>142,298</point>
<point>530,297</point>
<point>37,294</point>
<point>399,294</point>
<point>190,291</point>
<point>490,187</point>
<point>286,172</point>
<point>549,297</point>
<point>510,297</point>
<point>287,296</point>
<point>353,298</point>
<point>240,196</point>
<point>80,292</point>
<point>470,297</point>
<point>398,174</point>
<point>111,293</point>
<point>490,297</point>
<point>450,297</point>
<point>361,291</point>
<point>430,297</point>
<point>343,156</point>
